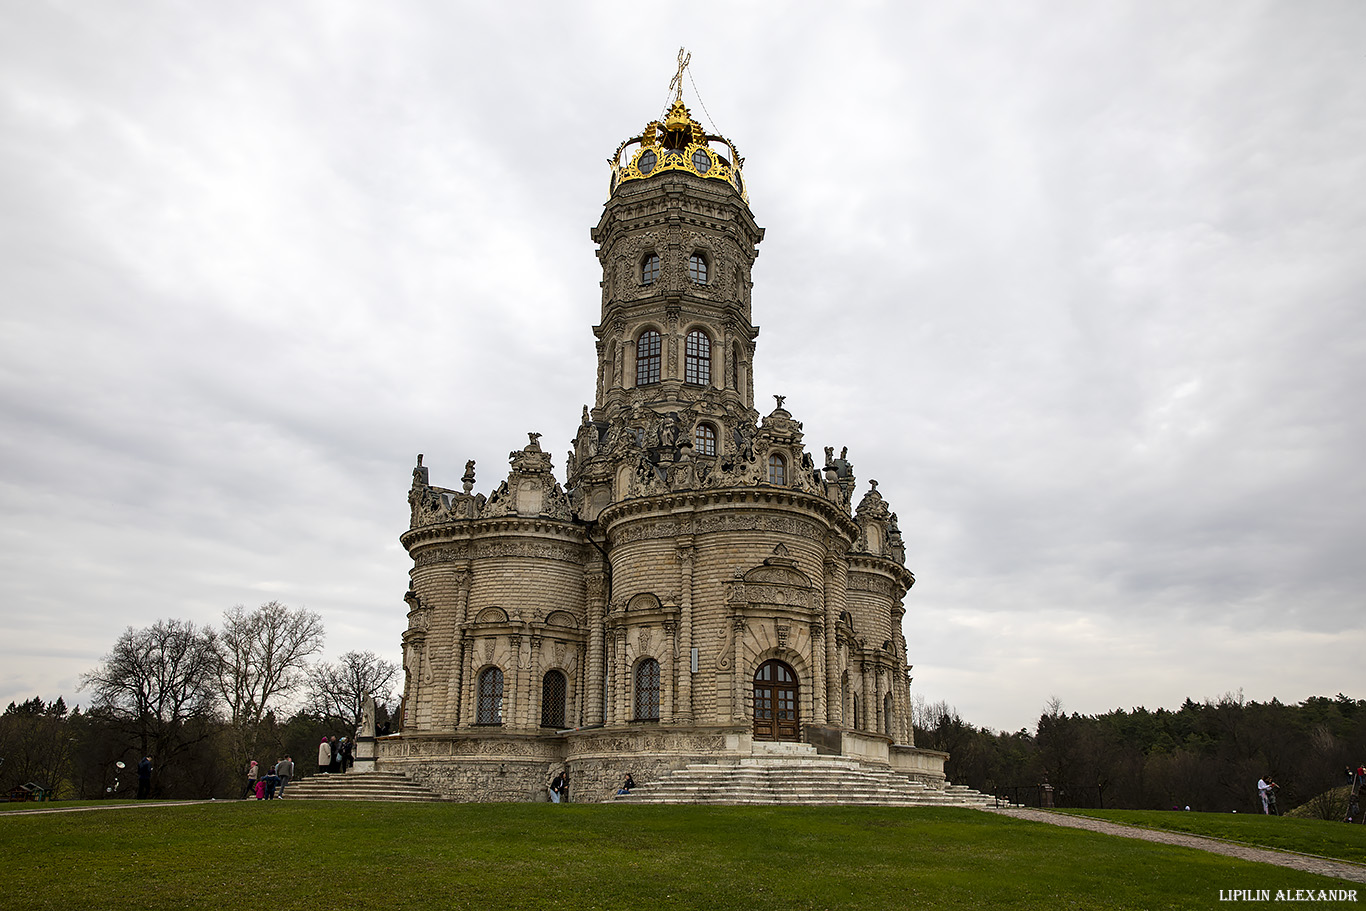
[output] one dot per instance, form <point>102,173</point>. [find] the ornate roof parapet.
<point>873,518</point>
<point>896,545</point>
<point>530,488</point>
<point>838,480</point>
<point>430,505</point>
<point>677,143</point>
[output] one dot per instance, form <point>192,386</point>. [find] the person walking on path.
<point>253,773</point>
<point>145,778</point>
<point>324,756</point>
<point>285,769</point>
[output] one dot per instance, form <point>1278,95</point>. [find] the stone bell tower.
<point>702,588</point>
<point>675,343</point>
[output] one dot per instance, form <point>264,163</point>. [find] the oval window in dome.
<point>701,161</point>
<point>646,163</point>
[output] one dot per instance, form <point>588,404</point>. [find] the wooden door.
<point>775,702</point>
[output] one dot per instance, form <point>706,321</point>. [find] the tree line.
<point>201,701</point>
<point>1205,755</point>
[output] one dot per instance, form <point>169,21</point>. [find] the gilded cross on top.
<point>677,81</point>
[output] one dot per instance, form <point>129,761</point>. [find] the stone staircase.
<point>359,786</point>
<point>799,779</point>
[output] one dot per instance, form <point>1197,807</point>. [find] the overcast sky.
<point>1080,284</point>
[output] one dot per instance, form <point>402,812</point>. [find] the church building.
<point>700,588</point>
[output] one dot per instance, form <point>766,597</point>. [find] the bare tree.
<point>339,690</point>
<point>263,657</point>
<point>157,685</point>
<point>262,661</point>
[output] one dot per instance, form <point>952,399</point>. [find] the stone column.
<point>456,682</point>
<point>738,678</point>
<point>683,708</point>
<point>514,693</point>
<point>836,581</point>
<point>818,672</point>
<point>864,690</point>
<point>749,375</point>
<point>881,724</point>
<point>534,679</point>
<point>619,708</point>
<point>595,668</point>
<point>667,674</point>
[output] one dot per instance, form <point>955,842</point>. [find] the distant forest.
<point>1204,755</point>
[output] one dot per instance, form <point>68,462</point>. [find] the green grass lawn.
<point>1308,836</point>
<point>285,855</point>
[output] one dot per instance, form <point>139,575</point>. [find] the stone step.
<point>800,779</point>
<point>359,786</point>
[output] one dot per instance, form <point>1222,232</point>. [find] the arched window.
<point>697,359</point>
<point>647,690</point>
<point>490,697</point>
<point>887,714</point>
<point>704,440</point>
<point>649,269</point>
<point>553,691</point>
<point>697,269</point>
<point>647,358</point>
<point>777,470</point>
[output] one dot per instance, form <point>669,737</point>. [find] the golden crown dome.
<point>677,143</point>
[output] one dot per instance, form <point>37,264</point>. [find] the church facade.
<point>700,588</point>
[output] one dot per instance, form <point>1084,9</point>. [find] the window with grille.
<point>697,360</point>
<point>697,269</point>
<point>553,691</point>
<point>490,697</point>
<point>647,690</point>
<point>777,470</point>
<point>704,440</point>
<point>649,270</point>
<point>647,358</point>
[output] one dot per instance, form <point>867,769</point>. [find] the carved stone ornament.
<point>489,646</point>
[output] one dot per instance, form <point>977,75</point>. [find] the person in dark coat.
<point>145,778</point>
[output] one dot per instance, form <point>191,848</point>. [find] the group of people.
<point>558,789</point>
<point>271,785</point>
<point>335,755</point>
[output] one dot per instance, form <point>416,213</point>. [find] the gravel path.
<point>1323,866</point>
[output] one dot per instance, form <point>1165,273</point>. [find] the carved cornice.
<point>685,512</point>
<point>463,530</point>
<point>880,566</point>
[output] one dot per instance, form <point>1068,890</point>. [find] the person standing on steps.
<point>324,756</point>
<point>285,769</point>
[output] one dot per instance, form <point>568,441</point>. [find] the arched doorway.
<point>775,702</point>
